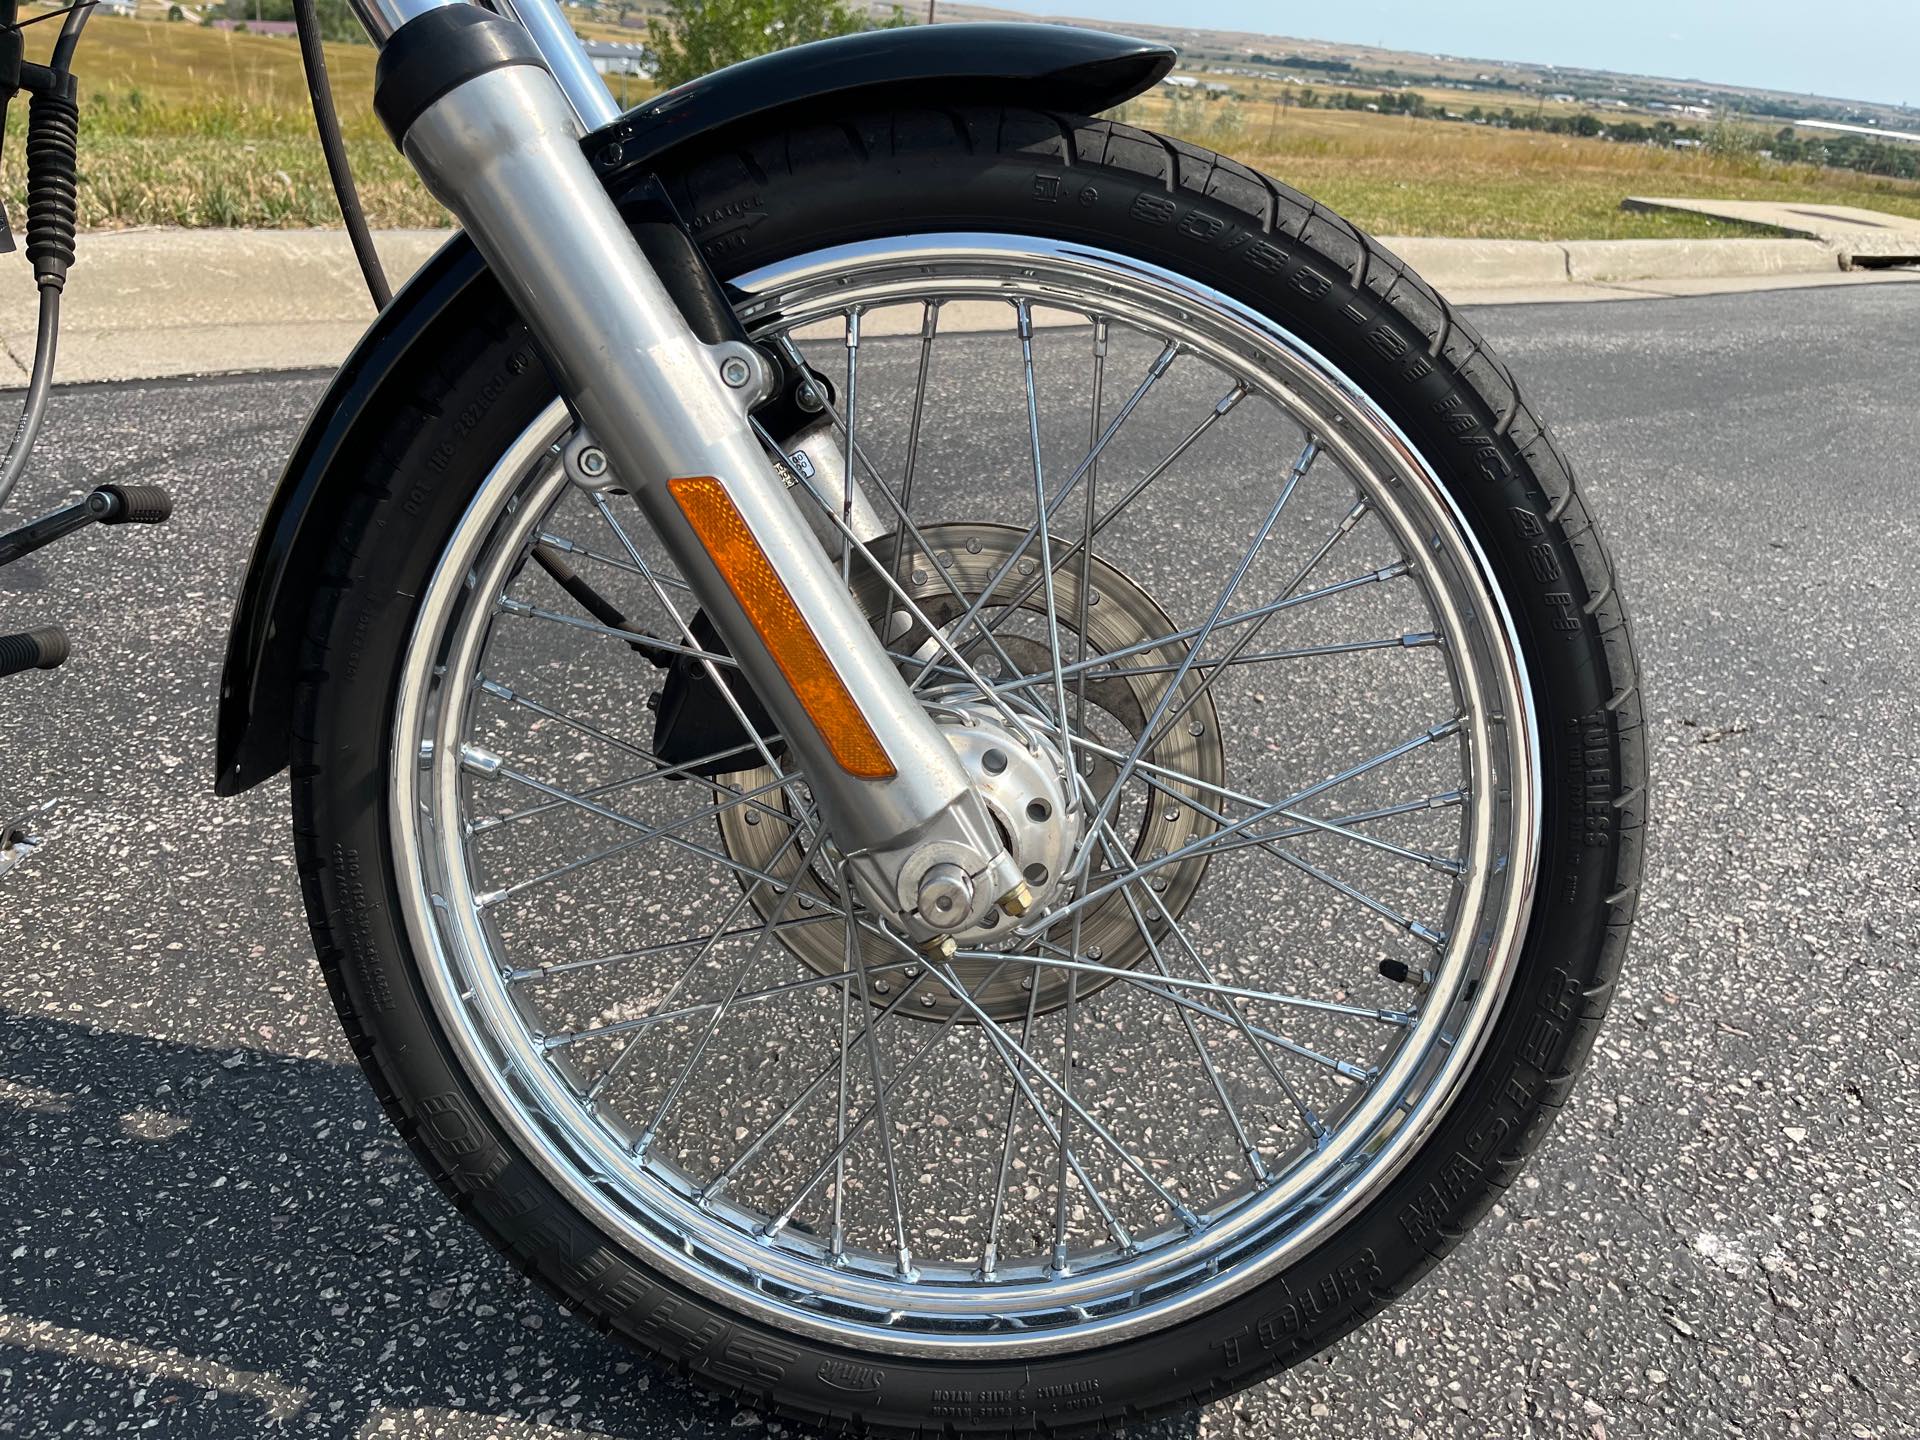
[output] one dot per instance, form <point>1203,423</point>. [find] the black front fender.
<point>1041,65</point>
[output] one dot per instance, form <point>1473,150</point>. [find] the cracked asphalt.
<point>207,1229</point>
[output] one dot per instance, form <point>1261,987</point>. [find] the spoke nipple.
<point>487,898</point>
<point>1017,901</point>
<point>479,761</point>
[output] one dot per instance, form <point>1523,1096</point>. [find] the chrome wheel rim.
<point>1080,1231</point>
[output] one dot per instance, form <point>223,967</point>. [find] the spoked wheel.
<point>1291,706</point>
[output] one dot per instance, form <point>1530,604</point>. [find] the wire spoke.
<point>1037,530</point>
<point>680,771</point>
<point>1043,524</point>
<point>1204,844</point>
<point>1011,1050</point>
<point>852,470</point>
<point>668,947</point>
<point>575,548</point>
<point>834,1067</point>
<point>1410,641</point>
<point>929,328</point>
<point>721,1011</point>
<point>1223,407</point>
<point>512,605</point>
<point>630,1047</point>
<point>885,1084</point>
<point>1247,636</point>
<point>1139,647</point>
<point>1083,850</point>
<point>990,1256</point>
<point>646,832</point>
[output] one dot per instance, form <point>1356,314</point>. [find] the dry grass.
<point>189,126</point>
<point>1394,175</point>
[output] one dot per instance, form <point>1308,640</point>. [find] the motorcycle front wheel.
<point>1234,558</point>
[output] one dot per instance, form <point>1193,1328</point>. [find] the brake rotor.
<point>1150,822</point>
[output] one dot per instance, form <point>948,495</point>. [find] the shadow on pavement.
<point>212,1242</point>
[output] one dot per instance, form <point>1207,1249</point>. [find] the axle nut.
<point>1017,901</point>
<point>945,895</point>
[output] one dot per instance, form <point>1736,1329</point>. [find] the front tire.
<point>756,202</point>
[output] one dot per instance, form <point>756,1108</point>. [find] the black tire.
<point>759,197</point>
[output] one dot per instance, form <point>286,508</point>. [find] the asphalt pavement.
<point>206,1226</point>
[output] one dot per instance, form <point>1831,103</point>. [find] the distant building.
<point>257,27</point>
<point>617,57</point>
<point>117,7</point>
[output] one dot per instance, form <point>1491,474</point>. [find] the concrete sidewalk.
<point>146,304</point>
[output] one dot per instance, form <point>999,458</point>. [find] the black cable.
<point>314,57</point>
<point>46,342</point>
<point>53,136</point>
<point>54,14</point>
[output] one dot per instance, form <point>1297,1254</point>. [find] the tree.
<point>700,36</point>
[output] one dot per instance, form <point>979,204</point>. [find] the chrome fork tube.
<point>501,149</point>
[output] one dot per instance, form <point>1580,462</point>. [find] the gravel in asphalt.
<point>206,1224</point>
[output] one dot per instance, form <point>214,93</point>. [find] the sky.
<point>1860,50</point>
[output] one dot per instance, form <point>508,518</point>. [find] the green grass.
<point>188,126</point>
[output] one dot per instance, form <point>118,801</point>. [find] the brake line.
<point>53,128</point>
<point>326,119</point>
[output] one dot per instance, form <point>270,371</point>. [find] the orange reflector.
<point>750,575</point>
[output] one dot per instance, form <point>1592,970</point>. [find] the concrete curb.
<point>147,304</point>
<point>1613,260</point>
<point>1450,265</point>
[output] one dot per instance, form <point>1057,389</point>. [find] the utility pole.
<point>930,5</point>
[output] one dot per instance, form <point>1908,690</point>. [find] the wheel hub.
<point>1109,704</point>
<point>1023,781</point>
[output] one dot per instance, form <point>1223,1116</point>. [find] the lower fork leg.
<point>482,120</point>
